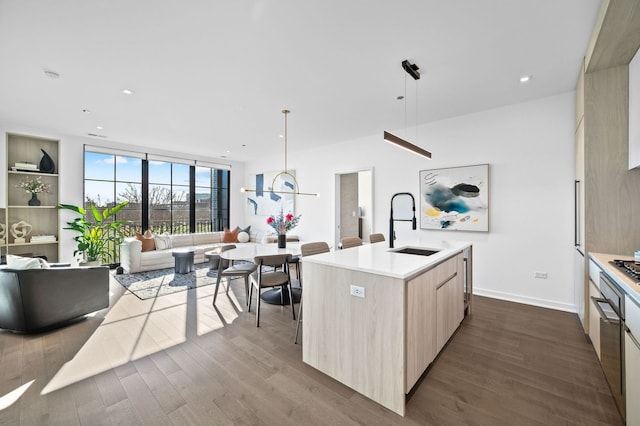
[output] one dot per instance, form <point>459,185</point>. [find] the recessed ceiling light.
<point>128,91</point>
<point>51,74</point>
<point>525,78</point>
<point>86,111</point>
<point>99,127</point>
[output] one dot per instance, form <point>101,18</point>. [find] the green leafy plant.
<point>97,239</point>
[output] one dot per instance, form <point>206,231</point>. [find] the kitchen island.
<point>374,319</point>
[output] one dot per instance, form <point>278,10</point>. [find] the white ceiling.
<point>212,76</point>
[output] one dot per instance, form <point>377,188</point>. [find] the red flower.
<point>269,220</point>
<point>289,217</point>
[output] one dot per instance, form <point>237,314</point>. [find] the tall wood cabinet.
<point>44,219</point>
<point>610,191</point>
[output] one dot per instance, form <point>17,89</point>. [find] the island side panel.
<point>357,341</point>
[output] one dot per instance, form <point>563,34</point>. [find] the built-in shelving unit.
<point>44,218</point>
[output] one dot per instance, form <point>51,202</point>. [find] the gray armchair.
<point>38,299</point>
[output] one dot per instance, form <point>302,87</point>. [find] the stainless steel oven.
<point>611,311</point>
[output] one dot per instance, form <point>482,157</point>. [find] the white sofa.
<point>133,259</point>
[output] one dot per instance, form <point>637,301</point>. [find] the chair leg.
<point>295,341</point>
<point>215,294</point>
<point>246,289</point>
<point>258,309</point>
<point>293,309</point>
<point>249,300</point>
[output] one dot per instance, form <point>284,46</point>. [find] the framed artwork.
<point>455,198</point>
<point>264,202</point>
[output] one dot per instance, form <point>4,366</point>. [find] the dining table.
<point>250,251</point>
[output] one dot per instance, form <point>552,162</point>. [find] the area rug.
<point>146,285</point>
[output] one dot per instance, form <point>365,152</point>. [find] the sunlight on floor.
<point>135,328</point>
<point>7,400</point>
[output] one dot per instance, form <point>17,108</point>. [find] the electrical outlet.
<point>357,291</point>
<point>542,275</point>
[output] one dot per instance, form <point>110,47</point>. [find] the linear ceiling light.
<point>284,173</point>
<point>413,71</point>
<point>398,141</point>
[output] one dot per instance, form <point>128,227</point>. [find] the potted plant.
<point>97,239</point>
<point>34,187</point>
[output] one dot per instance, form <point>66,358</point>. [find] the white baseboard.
<point>526,300</point>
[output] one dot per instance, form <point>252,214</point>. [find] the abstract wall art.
<point>264,202</point>
<point>455,198</point>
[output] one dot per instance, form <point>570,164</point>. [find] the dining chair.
<point>278,277</point>
<point>348,242</point>
<point>309,249</point>
<point>234,270</point>
<point>376,238</point>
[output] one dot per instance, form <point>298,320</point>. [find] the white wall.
<point>530,150</point>
<point>71,173</point>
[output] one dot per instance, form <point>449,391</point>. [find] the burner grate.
<point>629,267</point>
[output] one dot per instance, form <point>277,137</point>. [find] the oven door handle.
<point>604,317</point>
<point>631,336</point>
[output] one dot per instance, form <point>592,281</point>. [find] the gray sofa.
<point>38,299</point>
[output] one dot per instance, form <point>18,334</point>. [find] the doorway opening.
<point>354,205</point>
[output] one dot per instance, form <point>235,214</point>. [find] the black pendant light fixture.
<point>285,172</point>
<point>413,71</point>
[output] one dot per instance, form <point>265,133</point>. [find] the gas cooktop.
<point>629,267</point>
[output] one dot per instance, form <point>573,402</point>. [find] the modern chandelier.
<point>285,173</point>
<point>413,71</point>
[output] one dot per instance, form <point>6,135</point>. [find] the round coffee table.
<point>184,259</point>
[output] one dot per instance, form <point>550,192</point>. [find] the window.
<point>163,196</point>
<point>111,179</point>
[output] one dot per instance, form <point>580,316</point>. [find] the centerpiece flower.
<point>33,186</point>
<point>282,223</point>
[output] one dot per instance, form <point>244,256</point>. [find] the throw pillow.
<point>163,242</point>
<point>19,262</point>
<point>148,243</point>
<point>243,237</point>
<point>247,229</point>
<point>230,236</point>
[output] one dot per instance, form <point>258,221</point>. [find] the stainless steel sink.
<point>416,251</point>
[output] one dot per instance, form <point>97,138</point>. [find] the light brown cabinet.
<point>43,218</point>
<point>449,301</point>
<point>435,309</point>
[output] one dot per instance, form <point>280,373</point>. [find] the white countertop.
<point>379,259</point>
<point>628,285</point>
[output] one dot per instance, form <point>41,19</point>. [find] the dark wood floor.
<point>509,364</point>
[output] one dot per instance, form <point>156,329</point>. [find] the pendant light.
<point>285,172</point>
<point>413,71</point>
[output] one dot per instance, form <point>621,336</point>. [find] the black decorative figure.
<point>46,164</point>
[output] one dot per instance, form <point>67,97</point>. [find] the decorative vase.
<point>282,241</point>
<point>46,163</point>
<point>34,200</point>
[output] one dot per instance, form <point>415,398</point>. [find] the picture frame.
<point>265,202</point>
<point>455,198</point>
